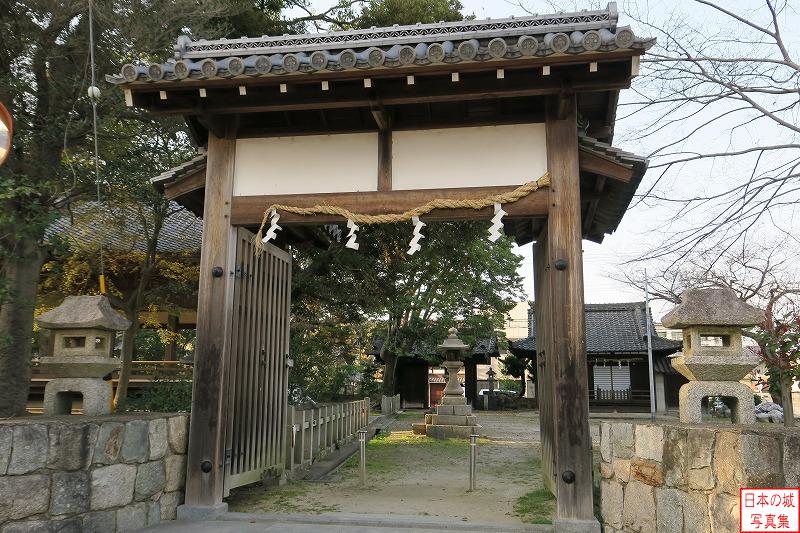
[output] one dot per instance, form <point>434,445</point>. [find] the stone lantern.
<point>83,331</point>
<point>713,359</point>
<point>453,416</point>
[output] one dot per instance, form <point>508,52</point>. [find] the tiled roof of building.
<point>610,329</point>
<point>395,46</point>
<point>90,225</point>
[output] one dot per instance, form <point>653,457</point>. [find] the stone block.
<point>100,522</point>
<point>178,430</point>
<point>700,478</point>
<point>622,440</point>
<point>150,479</point>
<point>71,446</point>
<point>153,513</point>
<point>622,469</point>
<point>728,462</point>
<point>157,433</point>
<point>605,442</point>
<point>761,460</point>
<point>29,449</point>
<point>418,428</point>
<point>724,512</point>
<point>451,432</point>
<point>446,409</point>
<point>669,511</point>
<point>674,457</point>
<point>649,442</point>
<point>648,472</point>
<point>136,446</point>
<point>112,486</point>
<point>96,396</point>
<point>695,512</point>
<point>67,525</point>
<point>639,508</point>
<point>29,526</point>
<point>606,470</point>
<point>169,502</point>
<point>454,400</point>
<point>462,410</point>
<point>23,496</point>
<point>791,460</point>
<point>6,438</point>
<point>700,447</point>
<point>132,517</point>
<point>454,420</point>
<point>691,395</point>
<point>428,418</point>
<point>70,493</point>
<point>611,500</point>
<point>175,466</point>
<point>109,443</point>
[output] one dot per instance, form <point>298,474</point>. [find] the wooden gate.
<point>255,436</point>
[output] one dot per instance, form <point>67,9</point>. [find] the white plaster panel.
<point>468,157</point>
<point>306,164</point>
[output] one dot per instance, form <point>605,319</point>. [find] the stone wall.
<point>87,474</point>
<point>679,478</point>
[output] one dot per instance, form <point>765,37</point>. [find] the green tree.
<point>519,368</point>
<point>44,76</point>
<point>389,12</point>
<point>458,278</point>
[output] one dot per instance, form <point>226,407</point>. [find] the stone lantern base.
<point>59,393</point>
<point>453,420</point>
<point>691,397</point>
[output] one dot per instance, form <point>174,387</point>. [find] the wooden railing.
<point>313,433</point>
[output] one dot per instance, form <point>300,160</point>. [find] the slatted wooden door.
<point>258,378</point>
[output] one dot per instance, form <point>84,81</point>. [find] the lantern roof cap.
<point>452,342</point>
<point>83,312</point>
<point>712,307</point>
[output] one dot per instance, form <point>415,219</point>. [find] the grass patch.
<point>404,417</point>
<point>286,498</point>
<point>536,507</point>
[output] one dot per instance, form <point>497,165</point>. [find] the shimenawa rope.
<point>439,203</point>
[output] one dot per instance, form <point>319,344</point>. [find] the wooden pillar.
<point>565,357</point>
<point>205,468</point>
<point>543,370</point>
<point>470,380</point>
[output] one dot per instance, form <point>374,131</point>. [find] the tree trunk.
<point>389,373</point>
<point>523,384</point>
<point>121,397</point>
<point>786,396</point>
<point>16,326</point>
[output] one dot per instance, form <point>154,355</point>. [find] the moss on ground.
<point>536,507</point>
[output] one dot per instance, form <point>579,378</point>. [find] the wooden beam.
<point>186,185</point>
<point>249,210</point>
<point>385,160</point>
<point>205,463</point>
<point>603,167</point>
<point>566,356</point>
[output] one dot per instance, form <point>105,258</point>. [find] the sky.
<point>644,226</point>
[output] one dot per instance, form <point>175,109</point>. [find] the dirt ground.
<point>412,475</point>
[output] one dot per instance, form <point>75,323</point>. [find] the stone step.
<point>454,420</point>
<point>451,432</point>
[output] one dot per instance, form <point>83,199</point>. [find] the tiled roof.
<point>395,46</point>
<point>610,328</point>
<point>182,231</point>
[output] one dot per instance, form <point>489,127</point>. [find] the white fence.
<point>313,433</point>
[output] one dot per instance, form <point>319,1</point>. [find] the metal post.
<point>649,349</point>
<point>362,456</point>
<point>473,457</point>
